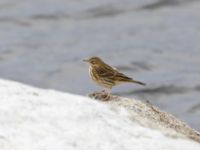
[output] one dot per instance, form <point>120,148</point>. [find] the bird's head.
<point>94,61</point>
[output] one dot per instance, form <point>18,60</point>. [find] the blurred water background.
<point>43,43</point>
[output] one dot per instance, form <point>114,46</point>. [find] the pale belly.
<point>100,81</point>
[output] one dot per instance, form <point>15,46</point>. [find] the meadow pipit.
<point>105,75</point>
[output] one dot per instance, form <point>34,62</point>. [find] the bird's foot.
<point>108,91</point>
<point>104,96</point>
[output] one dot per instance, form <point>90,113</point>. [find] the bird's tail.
<point>138,82</point>
<point>121,77</point>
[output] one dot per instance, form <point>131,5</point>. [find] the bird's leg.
<point>103,91</point>
<point>105,94</point>
<point>106,91</point>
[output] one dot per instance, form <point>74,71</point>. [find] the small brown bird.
<point>105,75</point>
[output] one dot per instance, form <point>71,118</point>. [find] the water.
<point>43,43</point>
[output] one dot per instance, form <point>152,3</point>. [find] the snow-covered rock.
<point>38,119</point>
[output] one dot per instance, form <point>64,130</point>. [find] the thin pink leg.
<point>108,91</point>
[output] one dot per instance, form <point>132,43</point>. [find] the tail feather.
<point>138,82</point>
<point>123,78</point>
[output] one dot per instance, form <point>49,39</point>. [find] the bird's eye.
<point>92,62</point>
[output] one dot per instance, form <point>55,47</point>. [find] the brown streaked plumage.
<point>105,75</point>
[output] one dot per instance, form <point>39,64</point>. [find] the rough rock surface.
<point>148,115</point>
<point>38,119</point>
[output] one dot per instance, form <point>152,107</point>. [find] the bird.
<point>107,76</point>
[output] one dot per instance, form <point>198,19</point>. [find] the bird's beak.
<point>85,60</point>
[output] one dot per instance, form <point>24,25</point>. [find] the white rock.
<point>38,119</point>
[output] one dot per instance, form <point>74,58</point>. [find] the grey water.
<point>43,43</point>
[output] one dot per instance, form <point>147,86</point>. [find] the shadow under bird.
<point>105,75</point>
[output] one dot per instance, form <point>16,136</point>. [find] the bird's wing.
<point>106,71</point>
<point>109,72</point>
<point>121,77</point>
